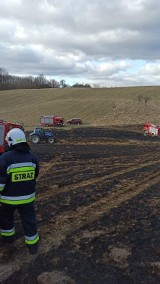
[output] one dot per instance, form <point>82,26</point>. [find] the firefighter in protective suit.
<point>19,169</point>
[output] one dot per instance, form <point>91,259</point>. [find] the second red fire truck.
<point>5,127</point>
<point>150,129</point>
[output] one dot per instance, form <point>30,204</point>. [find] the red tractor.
<point>5,127</point>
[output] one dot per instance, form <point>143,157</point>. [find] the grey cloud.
<point>74,38</point>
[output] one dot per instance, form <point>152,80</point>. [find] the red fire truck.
<point>51,120</point>
<point>150,129</point>
<point>5,127</point>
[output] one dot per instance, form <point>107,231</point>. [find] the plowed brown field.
<point>98,211</point>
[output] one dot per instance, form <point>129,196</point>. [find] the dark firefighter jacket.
<point>18,171</point>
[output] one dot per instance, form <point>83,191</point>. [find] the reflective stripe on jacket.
<point>22,171</point>
<point>18,199</point>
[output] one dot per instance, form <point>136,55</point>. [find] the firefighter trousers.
<point>28,220</point>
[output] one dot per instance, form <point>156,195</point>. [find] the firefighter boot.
<point>8,240</point>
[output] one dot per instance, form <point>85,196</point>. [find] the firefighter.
<point>19,169</point>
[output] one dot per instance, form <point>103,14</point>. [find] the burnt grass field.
<point>98,211</point>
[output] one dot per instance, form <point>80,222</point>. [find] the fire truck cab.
<point>5,127</point>
<point>150,129</point>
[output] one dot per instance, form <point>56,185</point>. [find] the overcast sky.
<point>104,42</point>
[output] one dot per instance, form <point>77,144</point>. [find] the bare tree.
<point>4,77</point>
<point>54,83</point>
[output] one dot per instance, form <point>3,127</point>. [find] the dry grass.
<point>106,106</point>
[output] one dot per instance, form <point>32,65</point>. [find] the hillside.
<point>97,203</point>
<point>97,107</point>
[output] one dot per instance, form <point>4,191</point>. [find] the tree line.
<point>9,82</point>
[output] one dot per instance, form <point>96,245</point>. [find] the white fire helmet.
<point>15,136</point>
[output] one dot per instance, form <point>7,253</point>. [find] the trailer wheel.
<point>35,139</point>
<point>50,140</point>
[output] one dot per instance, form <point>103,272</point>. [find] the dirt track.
<point>97,209</point>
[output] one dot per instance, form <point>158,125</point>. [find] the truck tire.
<point>35,139</point>
<point>50,140</point>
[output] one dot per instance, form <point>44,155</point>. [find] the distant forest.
<point>10,82</point>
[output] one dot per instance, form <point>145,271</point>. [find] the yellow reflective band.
<point>20,169</point>
<point>21,140</point>
<point>22,176</point>
<point>32,242</point>
<point>17,202</point>
<point>9,234</point>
